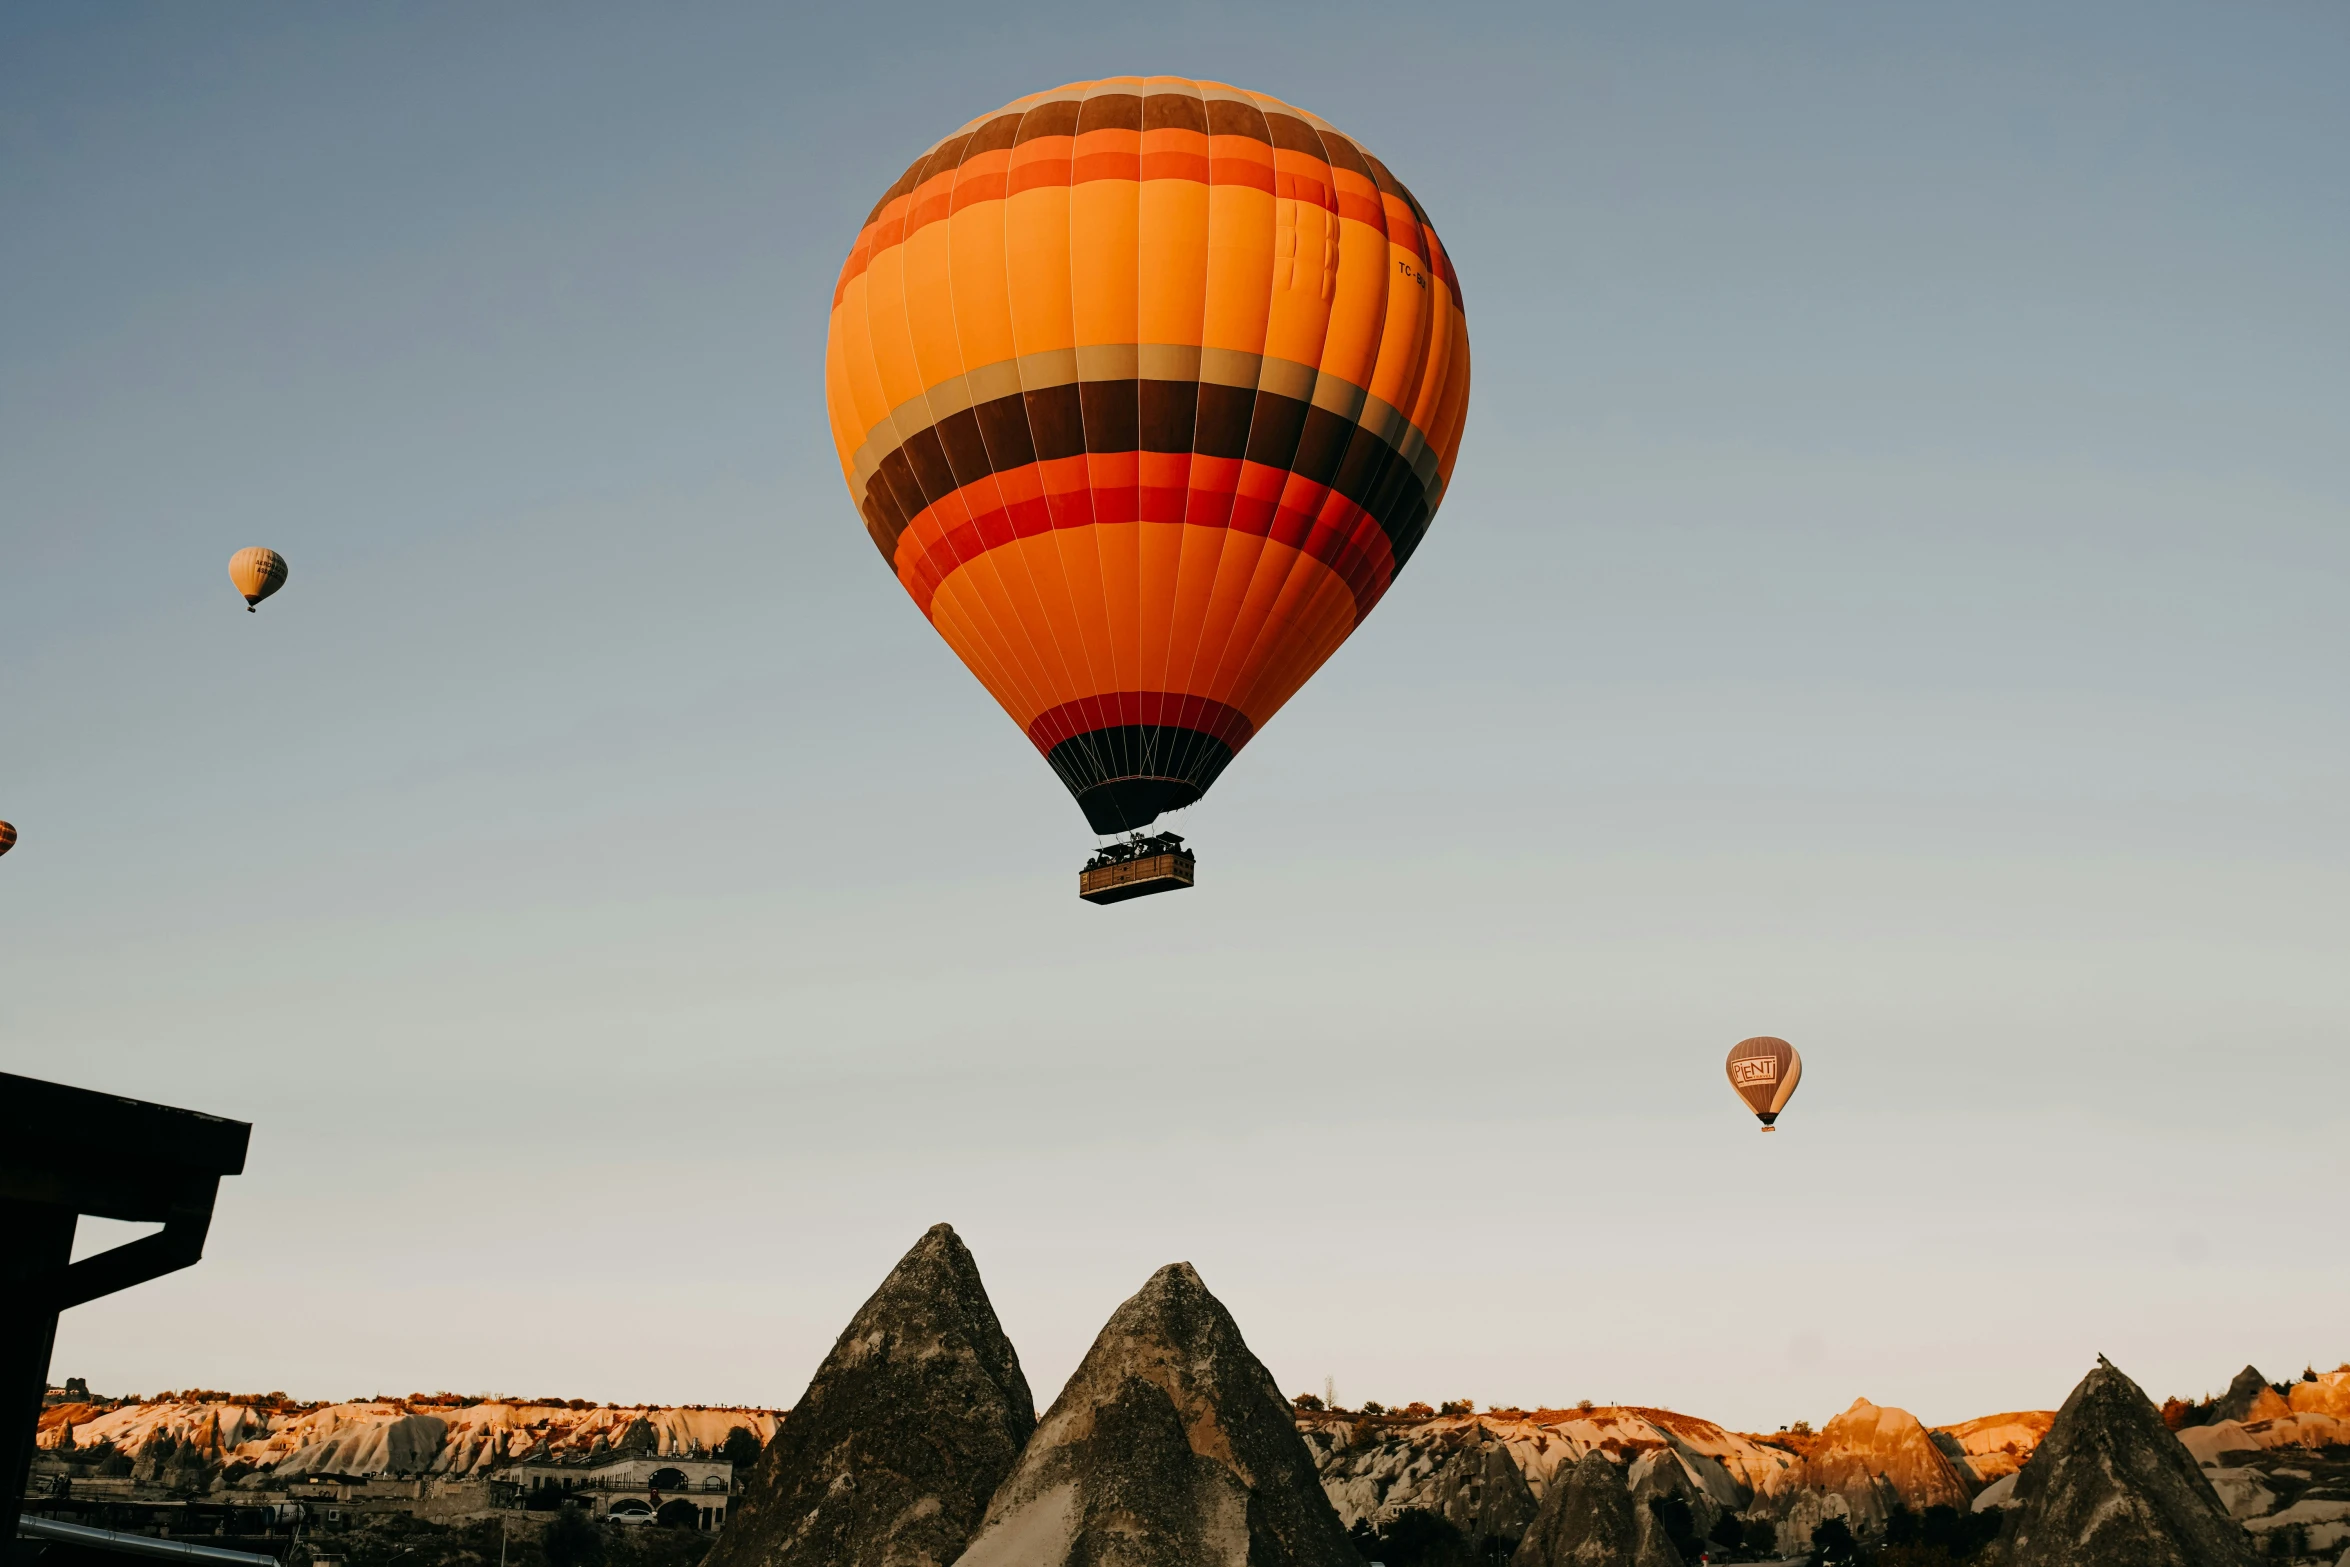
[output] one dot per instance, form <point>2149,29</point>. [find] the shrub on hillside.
<point>741,1447</point>
<point>571,1539</point>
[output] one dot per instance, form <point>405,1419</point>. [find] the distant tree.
<point>1372,1406</point>
<point>1457,1406</point>
<point>1417,1537</point>
<point>1307,1401</point>
<point>741,1447</point>
<point>2309,1373</point>
<point>1672,1515</point>
<point>1584,1406</point>
<point>1728,1532</point>
<point>1832,1545</point>
<point>571,1540</point>
<point>1415,1410</point>
<point>1762,1537</point>
<point>1800,1428</point>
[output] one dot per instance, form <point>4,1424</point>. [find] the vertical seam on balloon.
<point>1183,523</point>
<point>1021,679</point>
<point>1093,528</point>
<point>1092,685</point>
<point>1273,607</point>
<point>1385,486</point>
<point>1273,603</point>
<point>989,559</point>
<point>1224,533</point>
<point>930,502</point>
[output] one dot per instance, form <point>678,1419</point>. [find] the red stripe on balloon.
<point>1115,709</point>
<point>1023,502</point>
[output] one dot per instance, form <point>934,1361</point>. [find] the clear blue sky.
<point>1892,597</point>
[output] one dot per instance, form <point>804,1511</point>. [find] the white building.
<point>634,1485</point>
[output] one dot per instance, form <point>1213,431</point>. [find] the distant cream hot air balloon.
<point>1763,1074</point>
<point>7,836</point>
<point>257,573</point>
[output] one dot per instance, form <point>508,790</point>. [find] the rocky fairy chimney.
<point>1588,1520</point>
<point>2110,1486</point>
<point>1170,1447</point>
<point>910,1424</point>
<point>2236,1402</point>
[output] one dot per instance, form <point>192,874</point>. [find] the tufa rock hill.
<point>1170,1447</point>
<point>913,1419</point>
<point>2110,1486</point>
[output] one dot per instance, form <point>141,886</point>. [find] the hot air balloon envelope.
<point>257,573</point>
<point>7,836</point>
<point>1146,388</point>
<point>1763,1073</point>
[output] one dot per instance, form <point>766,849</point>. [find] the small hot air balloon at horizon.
<point>7,836</point>
<point>1763,1074</point>
<point>1147,388</point>
<point>257,574</point>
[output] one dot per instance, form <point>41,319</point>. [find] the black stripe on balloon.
<point>1151,416</point>
<point>1123,776</point>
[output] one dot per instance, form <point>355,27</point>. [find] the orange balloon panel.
<point>1147,388</point>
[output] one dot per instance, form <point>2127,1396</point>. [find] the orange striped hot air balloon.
<point>257,573</point>
<point>1147,388</point>
<point>1763,1074</point>
<point>7,836</point>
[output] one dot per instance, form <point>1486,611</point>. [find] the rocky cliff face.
<point>1985,1448</point>
<point>1589,1519</point>
<point>2112,1487</point>
<point>1457,1468</point>
<point>911,1422</point>
<point>1872,1459</point>
<point>1170,1447</point>
<point>1376,1468</point>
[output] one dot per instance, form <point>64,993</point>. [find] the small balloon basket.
<point>1136,868</point>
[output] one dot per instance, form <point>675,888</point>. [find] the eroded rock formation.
<point>1170,1447</point>
<point>1588,1519</point>
<point>2249,1398</point>
<point>2111,1487</point>
<point>912,1421</point>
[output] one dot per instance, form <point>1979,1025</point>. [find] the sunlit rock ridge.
<point>435,1435</point>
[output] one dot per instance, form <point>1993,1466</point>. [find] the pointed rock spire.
<point>1170,1447</point>
<point>2236,1403</point>
<point>2110,1486</point>
<point>911,1422</point>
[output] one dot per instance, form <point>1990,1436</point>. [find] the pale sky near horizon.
<point>1891,597</point>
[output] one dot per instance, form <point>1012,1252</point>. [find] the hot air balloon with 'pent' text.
<point>1146,388</point>
<point>1763,1074</point>
<point>257,573</point>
